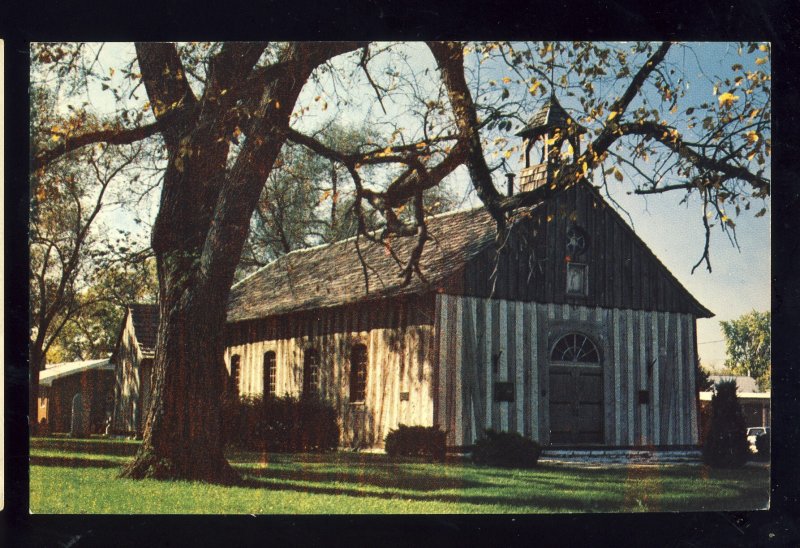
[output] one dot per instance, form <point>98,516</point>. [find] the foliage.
<point>726,442</point>
<point>748,346</point>
<point>68,481</point>
<point>764,445</point>
<point>506,450</point>
<point>284,425</point>
<point>703,380</point>
<point>416,441</point>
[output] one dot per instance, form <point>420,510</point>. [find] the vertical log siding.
<point>482,342</point>
<point>398,335</point>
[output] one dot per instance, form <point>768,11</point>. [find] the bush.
<point>763,445</point>
<point>284,424</point>
<point>416,441</point>
<point>507,450</point>
<point>726,443</point>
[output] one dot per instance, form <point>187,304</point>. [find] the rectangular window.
<point>358,373</point>
<point>577,279</point>
<point>311,372</point>
<point>270,374</point>
<point>234,386</point>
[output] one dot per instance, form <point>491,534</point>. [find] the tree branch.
<point>109,136</point>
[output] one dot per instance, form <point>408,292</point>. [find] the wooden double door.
<point>576,404</point>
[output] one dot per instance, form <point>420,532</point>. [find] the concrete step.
<point>623,456</point>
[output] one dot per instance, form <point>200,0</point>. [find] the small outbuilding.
<point>76,397</point>
<point>133,363</point>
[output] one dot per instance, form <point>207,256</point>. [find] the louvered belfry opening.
<point>543,139</point>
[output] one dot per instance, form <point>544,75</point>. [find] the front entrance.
<point>576,392</point>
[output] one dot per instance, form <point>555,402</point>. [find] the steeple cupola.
<point>544,139</point>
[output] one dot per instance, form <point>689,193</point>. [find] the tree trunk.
<point>36,366</point>
<point>198,236</point>
<point>183,437</point>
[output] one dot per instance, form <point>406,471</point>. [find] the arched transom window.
<point>575,348</point>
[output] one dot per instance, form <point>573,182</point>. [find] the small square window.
<point>577,279</point>
<point>504,391</point>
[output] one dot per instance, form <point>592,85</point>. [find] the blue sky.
<point>740,280</point>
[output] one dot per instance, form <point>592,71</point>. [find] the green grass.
<point>77,477</point>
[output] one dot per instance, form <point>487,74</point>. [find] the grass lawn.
<point>80,477</point>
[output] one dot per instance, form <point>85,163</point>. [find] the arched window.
<point>311,372</point>
<point>234,378</point>
<point>575,348</point>
<point>270,374</point>
<point>358,373</point>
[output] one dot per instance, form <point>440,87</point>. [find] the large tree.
<point>223,112</point>
<point>748,346</point>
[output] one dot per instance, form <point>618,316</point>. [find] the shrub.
<point>284,424</point>
<point>416,441</point>
<point>507,450</point>
<point>763,445</point>
<point>726,443</point>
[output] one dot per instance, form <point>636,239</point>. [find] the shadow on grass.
<point>549,500</point>
<point>73,462</point>
<point>86,446</point>
<point>396,478</point>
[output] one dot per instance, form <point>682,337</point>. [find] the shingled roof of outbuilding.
<point>145,325</point>
<point>333,274</point>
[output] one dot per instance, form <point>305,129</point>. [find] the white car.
<point>755,432</point>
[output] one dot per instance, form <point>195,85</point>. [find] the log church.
<point>567,330</point>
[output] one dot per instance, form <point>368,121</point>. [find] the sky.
<point>740,279</point>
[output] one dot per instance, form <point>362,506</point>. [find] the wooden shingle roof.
<point>145,325</point>
<point>552,115</point>
<point>333,275</point>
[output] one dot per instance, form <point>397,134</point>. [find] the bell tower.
<point>543,139</point>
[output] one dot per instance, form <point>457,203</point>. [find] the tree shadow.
<point>73,462</point>
<point>85,446</point>
<point>395,479</point>
<point>551,502</point>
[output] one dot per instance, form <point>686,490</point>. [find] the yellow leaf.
<point>421,145</point>
<point>612,115</point>
<point>506,80</point>
<point>534,86</point>
<point>55,137</point>
<point>752,137</point>
<point>761,60</point>
<point>727,99</point>
<point>387,150</point>
<point>570,150</point>
<point>754,113</point>
<point>146,106</point>
<point>763,47</point>
<point>223,92</point>
<point>585,168</point>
